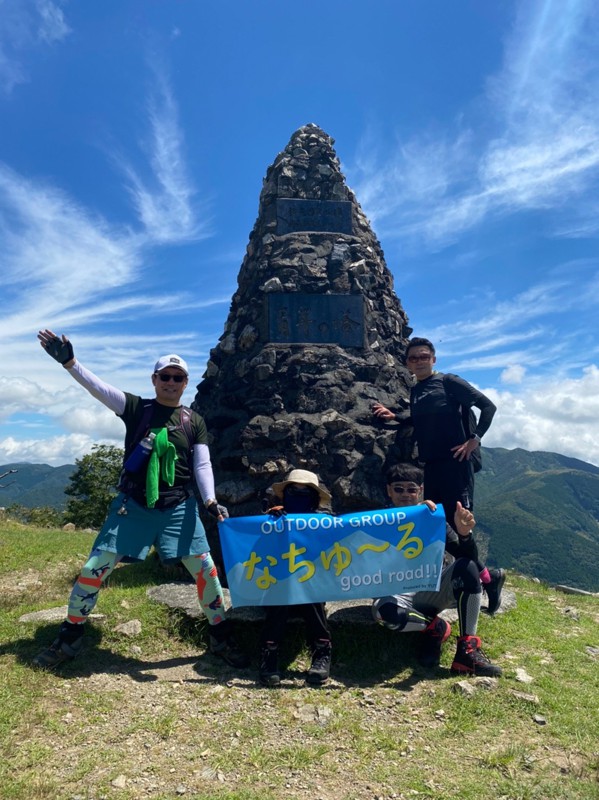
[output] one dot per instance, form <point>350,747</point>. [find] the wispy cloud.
<point>166,200</point>
<point>545,148</point>
<point>519,331</point>
<point>25,26</point>
<point>56,255</point>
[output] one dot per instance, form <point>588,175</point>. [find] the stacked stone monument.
<point>314,336</point>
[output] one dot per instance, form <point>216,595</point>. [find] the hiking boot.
<point>433,636</point>
<point>223,644</point>
<point>269,665</point>
<point>493,589</point>
<point>320,667</point>
<point>470,659</point>
<point>64,648</point>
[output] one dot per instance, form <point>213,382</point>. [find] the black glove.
<point>59,350</point>
<point>216,510</point>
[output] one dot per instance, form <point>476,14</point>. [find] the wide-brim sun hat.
<point>172,360</point>
<point>306,478</point>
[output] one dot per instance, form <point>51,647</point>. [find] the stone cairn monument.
<point>314,337</point>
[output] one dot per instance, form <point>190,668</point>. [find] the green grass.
<point>152,716</point>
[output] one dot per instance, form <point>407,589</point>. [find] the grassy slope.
<point>541,514</point>
<point>155,717</point>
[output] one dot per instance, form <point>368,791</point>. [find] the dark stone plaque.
<point>313,215</point>
<point>316,319</point>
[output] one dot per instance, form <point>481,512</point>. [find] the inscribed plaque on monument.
<point>313,215</point>
<point>316,319</point>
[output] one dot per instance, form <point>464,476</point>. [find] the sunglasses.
<point>423,357</point>
<point>165,378</point>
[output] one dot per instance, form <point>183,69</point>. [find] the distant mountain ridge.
<point>537,512</point>
<point>35,485</point>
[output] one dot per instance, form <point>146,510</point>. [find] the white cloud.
<point>56,256</point>
<point>24,25</point>
<point>558,416</point>
<point>514,373</point>
<point>54,451</point>
<point>51,26</point>
<point>545,148</point>
<point>166,201</point>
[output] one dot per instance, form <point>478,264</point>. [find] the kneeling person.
<point>459,588</point>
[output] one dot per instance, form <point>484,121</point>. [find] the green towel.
<point>161,465</point>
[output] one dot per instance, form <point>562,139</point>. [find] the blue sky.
<point>135,137</point>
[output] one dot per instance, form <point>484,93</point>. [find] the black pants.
<point>448,482</point>
<point>314,615</point>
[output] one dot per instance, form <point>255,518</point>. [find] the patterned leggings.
<point>101,563</point>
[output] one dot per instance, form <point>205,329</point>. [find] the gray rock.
<point>275,410</point>
<point>130,628</point>
<point>183,596</point>
<point>571,590</point>
<point>56,614</point>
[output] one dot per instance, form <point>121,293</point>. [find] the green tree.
<point>43,517</point>
<point>93,486</point>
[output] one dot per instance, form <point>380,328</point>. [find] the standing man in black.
<point>445,448</point>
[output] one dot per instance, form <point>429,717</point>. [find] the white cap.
<point>171,360</point>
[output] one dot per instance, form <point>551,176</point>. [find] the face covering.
<point>300,499</point>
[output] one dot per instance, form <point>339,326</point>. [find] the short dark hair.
<point>418,341</point>
<point>404,472</point>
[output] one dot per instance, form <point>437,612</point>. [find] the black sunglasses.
<point>166,377</point>
<point>422,357</point>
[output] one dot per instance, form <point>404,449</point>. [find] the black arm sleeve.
<point>468,396</point>
<point>460,546</point>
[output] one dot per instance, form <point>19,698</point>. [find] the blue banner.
<point>311,558</point>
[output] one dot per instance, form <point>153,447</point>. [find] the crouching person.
<point>460,588</point>
<point>299,493</point>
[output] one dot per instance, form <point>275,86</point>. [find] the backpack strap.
<point>143,426</point>
<point>186,426</point>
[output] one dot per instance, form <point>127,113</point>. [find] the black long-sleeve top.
<point>436,414</point>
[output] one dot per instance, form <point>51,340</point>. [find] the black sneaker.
<point>269,665</point>
<point>222,644</point>
<point>433,636</point>
<point>493,589</point>
<point>470,659</point>
<point>58,652</point>
<point>320,668</point>
<point>230,652</point>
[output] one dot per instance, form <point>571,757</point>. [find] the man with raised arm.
<point>155,505</point>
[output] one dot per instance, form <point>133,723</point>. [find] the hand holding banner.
<point>312,558</point>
